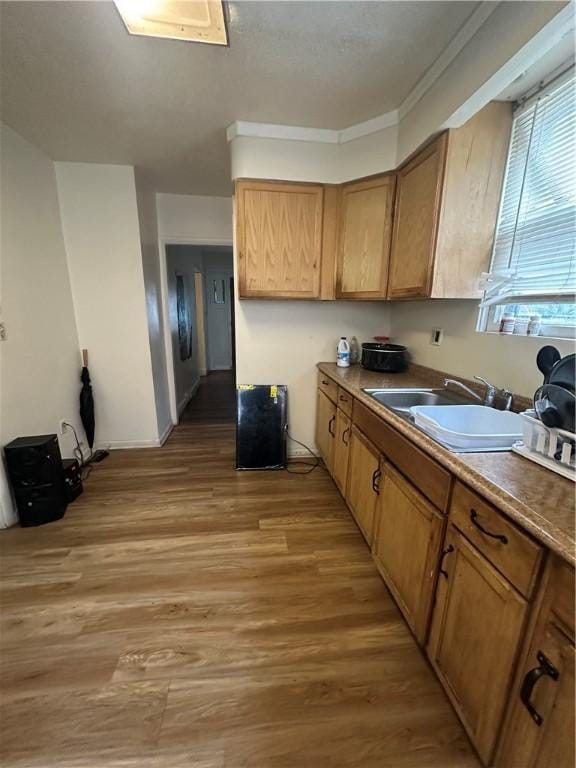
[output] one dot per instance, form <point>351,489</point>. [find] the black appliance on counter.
<point>261,426</point>
<point>35,471</point>
<point>386,358</point>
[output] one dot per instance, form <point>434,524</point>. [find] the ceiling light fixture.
<point>197,21</point>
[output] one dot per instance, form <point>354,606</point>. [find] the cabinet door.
<point>418,198</point>
<point>476,629</point>
<point>546,693</point>
<point>363,482</point>
<point>325,418</point>
<point>279,239</point>
<point>407,539</point>
<point>341,450</point>
<point>365,233</point>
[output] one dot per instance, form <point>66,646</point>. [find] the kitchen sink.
<point>401,400</point>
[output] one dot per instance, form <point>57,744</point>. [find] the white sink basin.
<point>469,427</point>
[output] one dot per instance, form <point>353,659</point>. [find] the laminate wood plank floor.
<point>184,615</point>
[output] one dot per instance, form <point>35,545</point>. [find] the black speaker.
<point>34,461</point>
<point>35,470</point>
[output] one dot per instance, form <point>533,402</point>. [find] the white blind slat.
<point>534,250</point>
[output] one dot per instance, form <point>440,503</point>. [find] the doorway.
<point>200,320</point>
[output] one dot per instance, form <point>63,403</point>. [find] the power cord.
<point>311,467</point>
<point>85,467</point>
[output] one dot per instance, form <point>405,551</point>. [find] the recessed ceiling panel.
<point>200,21</point>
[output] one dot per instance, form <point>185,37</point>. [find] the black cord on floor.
<point>311,467</point>
<point>85,466</point>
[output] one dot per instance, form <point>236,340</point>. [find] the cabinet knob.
<point>445,552</point>
<point>376,475</point>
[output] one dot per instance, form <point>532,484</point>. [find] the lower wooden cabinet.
<point>407,538</point>
<point>474,640</point>
<point>363,482</point>
<point>341,450</point>
<point>325,423</point>
<point>539,732</point>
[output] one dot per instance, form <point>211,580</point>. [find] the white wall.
<point>506,361</point>
<point>148,221</point>
<point>498,53</point>
<point>293,160</point>
<point>184,260</point>
<point>194,219</point>
<point>40,366</point>
<point>102,238</point>
<point>280,342</point>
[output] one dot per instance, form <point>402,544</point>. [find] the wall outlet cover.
<point>437,336</point>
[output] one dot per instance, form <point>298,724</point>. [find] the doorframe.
<point>169,352</point>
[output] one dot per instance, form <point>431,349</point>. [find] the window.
<point>533,268</point>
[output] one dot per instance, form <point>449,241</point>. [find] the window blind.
<point>534,255</point>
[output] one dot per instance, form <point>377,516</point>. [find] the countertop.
<point>539,500</point>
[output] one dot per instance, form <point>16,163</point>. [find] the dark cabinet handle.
<point>346,431</point>
<point>325,381</point>
<point>343,398</point>
<point>330,423</point>
<point>376,475</point>
<point>546,669</point>
<point>445,552</point>
<point>474,520</point>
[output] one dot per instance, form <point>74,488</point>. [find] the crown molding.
<point>380,122</point>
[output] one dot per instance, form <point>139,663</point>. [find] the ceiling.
<point>78,86</point>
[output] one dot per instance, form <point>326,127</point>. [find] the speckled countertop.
<point>539,500</point>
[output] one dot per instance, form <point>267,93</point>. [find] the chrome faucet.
<point>491,395</point>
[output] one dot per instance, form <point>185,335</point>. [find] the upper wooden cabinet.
<point>446,209</point>
<point>279,239</point>
<point>364,242</point>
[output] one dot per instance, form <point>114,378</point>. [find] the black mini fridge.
<point>261,426</point>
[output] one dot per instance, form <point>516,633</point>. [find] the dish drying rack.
<point>551,448</point>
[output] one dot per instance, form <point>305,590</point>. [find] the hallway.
<point>214,401</point>
<point>184,615</point>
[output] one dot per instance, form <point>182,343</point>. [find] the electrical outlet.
<point>62,427</point>
<point>437,336</point>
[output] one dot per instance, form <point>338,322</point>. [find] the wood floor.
<point>184,615</point>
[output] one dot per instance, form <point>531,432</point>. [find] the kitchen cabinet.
<point>341,450</point>
<point>407,539</point>
<point>325,422</point>
<point>363,482</point>
<point>474,639</point>
<point>539,731</point>
<point>446,209</point>
<point>279,233</point>
<point>365,233</point>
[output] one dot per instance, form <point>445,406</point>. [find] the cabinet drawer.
<point>430,478</point>
<point>328,386</point>
<point>513,553</point>
<point>345,401</point>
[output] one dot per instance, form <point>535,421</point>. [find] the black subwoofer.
<point>35,471</point>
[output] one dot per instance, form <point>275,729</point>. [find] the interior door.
<point>219,319</point>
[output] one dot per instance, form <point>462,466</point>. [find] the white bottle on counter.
<point>343,353</point>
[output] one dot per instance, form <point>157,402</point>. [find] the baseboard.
<point>166,433</point>
<point>189,394</point>
<point>115,445</point>
<point>301,453</point>
<point>203,372</point>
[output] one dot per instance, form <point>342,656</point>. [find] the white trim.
<point>274,131</point>
<point>545,39</point>
<point>166,434</point>
<point>116,445</point>
<point>375,124</point>
<point>188,395</point>
<point>380,122</point>
<point>454,47</point>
